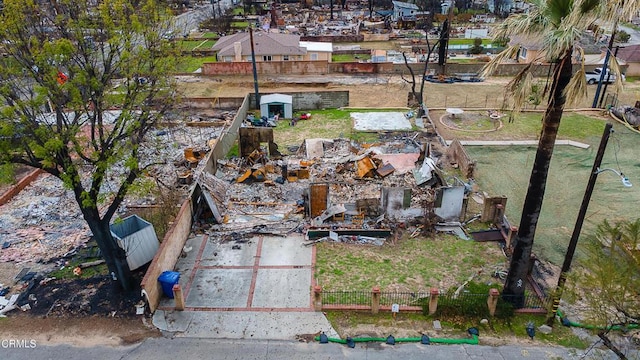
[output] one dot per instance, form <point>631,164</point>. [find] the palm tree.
<point>557,24</point>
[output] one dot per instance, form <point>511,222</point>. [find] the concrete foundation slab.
<point>220,288</point>
<point>285,251</point>
<point>226,255</point>
<point>373,121</point>
<point>282,288</point>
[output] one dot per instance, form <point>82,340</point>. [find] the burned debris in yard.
<point>43,232</point>
<point>330,189</point>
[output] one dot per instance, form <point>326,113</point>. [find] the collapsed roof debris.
<point>328,184</point>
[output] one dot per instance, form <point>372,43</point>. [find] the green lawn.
<point>409,265</point>
<point>190,45</point>
<point>350,57</point>
<point>240,24</point>
<point>505,170</point>
<point>192,63</point>
<point>574,126</point>
<point>468,41</point>
<point>526,125</point>
<point>461,61</point>
<point>330,123</point>
<point>210,35</point>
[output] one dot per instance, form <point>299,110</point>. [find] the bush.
<point>7,174</point>
<point>622,36</point>
<point>470,303</point>
<point>477,47</point>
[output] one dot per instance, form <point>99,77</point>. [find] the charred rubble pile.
<point>329,189</point>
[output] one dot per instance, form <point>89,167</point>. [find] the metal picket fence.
<point>464,303</point>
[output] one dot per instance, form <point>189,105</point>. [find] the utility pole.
<point>445,35</point>
<point>606,83</point>
<point>568,257</point>
<point>605,65</point>
<point>255,72</point>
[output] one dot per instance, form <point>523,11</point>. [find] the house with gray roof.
<point>630,55</point>
<point>270,46</point>
<point>404,11</point>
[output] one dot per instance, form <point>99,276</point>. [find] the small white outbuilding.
<point>273,104</point>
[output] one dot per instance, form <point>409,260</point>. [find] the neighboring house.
<point>445,6</point>
<point>318,50</point>
<point>508,6</point>
<point>270,47</point>
<point>529,49</point>
<point>630,54</point>
<point>378,56</point>
<point>404,11</point>
<point>483,18</point>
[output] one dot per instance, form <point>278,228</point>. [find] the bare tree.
<point>418,95</point>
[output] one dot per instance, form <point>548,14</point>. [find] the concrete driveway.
<point>260,288</point>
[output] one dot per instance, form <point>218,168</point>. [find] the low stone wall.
<point>353,38</point>
<point>23,183</point>
<point>376,37</point>
<point>168,254</point>
<point>314,100</point>
<point>361,68</point>
<point>266,68</point>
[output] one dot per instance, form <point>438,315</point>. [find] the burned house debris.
<point>330,189</point>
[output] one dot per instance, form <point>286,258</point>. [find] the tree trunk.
<point>515,282</point>
<point>331,10</point>
<point>114,255</point>
<point>607,342</point>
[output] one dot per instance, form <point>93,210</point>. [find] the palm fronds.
<point>519,87</point>
<point>614,68</point>
<point>577,87</point>
<point>509,53</point>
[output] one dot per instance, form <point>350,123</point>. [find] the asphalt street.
<point>221,349</point>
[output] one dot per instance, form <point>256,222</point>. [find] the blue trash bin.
<point>167,279</point>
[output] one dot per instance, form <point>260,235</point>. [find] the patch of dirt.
<point>81,332</point>
<point>94,307</point>
<point>81,297</point>
<point>380,90</point>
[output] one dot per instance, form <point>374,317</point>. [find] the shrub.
<point>622,36</point>
<point>477,47</point>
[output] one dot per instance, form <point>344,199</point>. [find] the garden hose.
<point>569,323</point>
<point>473,341</point>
